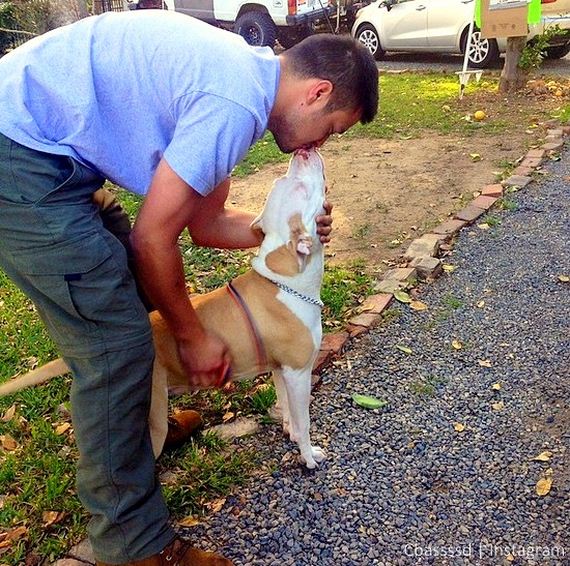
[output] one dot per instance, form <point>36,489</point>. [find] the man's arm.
<point>230,228</point>
<point>169,207</point>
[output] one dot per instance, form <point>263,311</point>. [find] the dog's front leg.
<point>282,404</point>
<point>298,387</point>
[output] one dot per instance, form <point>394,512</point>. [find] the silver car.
<point>442,26</point>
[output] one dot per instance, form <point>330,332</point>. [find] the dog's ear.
<point>301,242</point>
<point>292,258</point>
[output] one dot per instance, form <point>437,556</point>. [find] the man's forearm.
<point>229,230</point>
<point>160,269</point>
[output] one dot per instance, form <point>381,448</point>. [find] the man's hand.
<point>205,359</point>
<point>324,223</point>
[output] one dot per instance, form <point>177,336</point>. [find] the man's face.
<point>310,126</point>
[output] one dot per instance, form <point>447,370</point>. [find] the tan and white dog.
<point>270,317</point>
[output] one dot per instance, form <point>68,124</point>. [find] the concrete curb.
<point>422,258</point>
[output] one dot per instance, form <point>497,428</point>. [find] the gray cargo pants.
<point>54,246</point>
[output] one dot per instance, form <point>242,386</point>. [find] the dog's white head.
<point>288,218</point>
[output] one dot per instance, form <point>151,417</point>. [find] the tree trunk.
<point>513,77</point>
<point>63,12</point>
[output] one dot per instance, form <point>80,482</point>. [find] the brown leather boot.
<point>181,426</point>
<point>180,553</point>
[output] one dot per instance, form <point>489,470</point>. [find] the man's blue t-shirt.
<point>120,91</point>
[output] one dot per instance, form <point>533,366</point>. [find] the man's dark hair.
<point>346,63</point>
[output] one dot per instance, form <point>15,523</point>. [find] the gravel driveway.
<point>402,485</point>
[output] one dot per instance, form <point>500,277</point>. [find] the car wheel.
<point>368,36</point>
<point>557,52</point>
<point>257,28</point>
<point>288,38</point>
<point>482,52</point>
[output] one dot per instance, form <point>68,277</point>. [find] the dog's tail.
<point>34,377</point>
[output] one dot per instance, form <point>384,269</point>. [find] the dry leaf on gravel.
<point>404,349</point>
<point>564,278</point>
<point>448,268</point>
<point>543,456</point>
<point>189,522</point>
<point>496,386</point>
<point>216,505</point>
<point>498,406</point>
<point>485,363</point>
<point>480,304</point>
<point>543,486</point>
<point>418,306</point>
<point>457,344</point>
<point>459,427</point>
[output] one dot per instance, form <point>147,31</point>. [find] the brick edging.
<point>421,257</point>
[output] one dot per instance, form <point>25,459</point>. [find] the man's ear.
<point>320,92</point>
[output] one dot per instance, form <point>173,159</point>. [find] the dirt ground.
<point>386,192</point>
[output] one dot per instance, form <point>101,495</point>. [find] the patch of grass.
<point>507,204</point>
<point>342,287</point>
<point>562,114</point>
<point>427,387</point>
<point>360,232</point>
<point>492,220</point>
<point>205,469</point>
<point>390,314</point>
<point>452,302</point>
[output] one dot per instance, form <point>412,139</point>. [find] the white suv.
<point>442,26</point>
<point>260,22</point>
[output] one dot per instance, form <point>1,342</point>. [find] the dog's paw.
<point>316,456</point>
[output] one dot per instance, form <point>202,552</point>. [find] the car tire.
<point>257,28</point>
<point>483,53</point>
<point>557,52</point>
<point>368,36</point>
<point>289,37</point>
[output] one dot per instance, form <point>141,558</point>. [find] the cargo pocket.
<point>90,302</point>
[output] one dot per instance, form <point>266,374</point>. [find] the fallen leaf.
<point>418,306</point>
<point>402,296</point>
<point>475,157</point>
<point>564,278</point>
<point>459,427</point>
<point>457,344</point>
<point>62,428</point>
<point>485,363</point>
<point>189,522</point>
<point>368,402</point>
<point>480,304</point>
<point>228,416</point>
<point>8,443</point>
<point>449,268</point>
<point>483,226</point>
<point>9,414</point>
<point>543,486</point>
<point>16,533</point>
<point>52,517</point>
<point>216,505</point>
<point>404,349</point>
<point>496,386</point>
<point>543,456</point>
<point>498,406</point>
